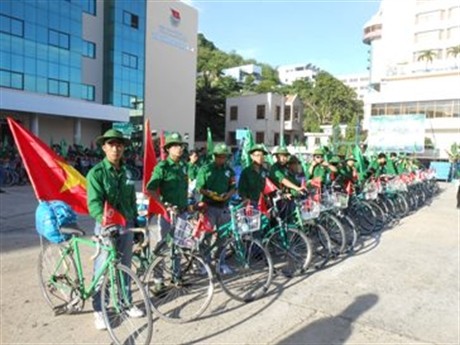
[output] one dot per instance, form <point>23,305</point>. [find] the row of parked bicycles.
<point>175,278</point>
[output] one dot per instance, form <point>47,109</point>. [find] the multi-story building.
<point>263,114</point>
<point>69,69</point>
<point>240,73</point>
<point>290,73</point>
<point>414,65</point>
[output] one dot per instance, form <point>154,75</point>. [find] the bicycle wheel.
<point>57,277</point>
<point>122,297</point>
<point>180,290</point>
<point>336,232</point>
<point>291,251</point>
<point>321,245</point>
<point>351,232</point>
<point>244,269</point>
<point>364,216</point>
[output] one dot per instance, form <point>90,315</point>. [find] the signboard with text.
<point>397,133</point>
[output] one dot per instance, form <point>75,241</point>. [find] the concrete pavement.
<point>401,288</point>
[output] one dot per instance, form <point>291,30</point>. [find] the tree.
<point>454,51</point>
<point>427,56</point>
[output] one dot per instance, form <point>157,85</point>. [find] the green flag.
<point>304,164</point>
<point>269,157</point>
<point>358,155</point>
<point>248,143</point>
<point>209,143</point>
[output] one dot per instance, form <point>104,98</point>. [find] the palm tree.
<point>454,51</point>
<point>428,56</point>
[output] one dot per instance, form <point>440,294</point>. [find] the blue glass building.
<point>79,61</point>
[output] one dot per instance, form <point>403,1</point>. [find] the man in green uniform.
<point>109,181</point>
<point>378,167</point>
<point>193,166</point>
<point>216,183</point>
<point>319,168</point>
<point>252,178</point>
<point>279,171</point>
<point>169,181</point>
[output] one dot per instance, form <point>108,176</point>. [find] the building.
<point>171,56</point>
<point>287,74</point>
<point>240,73</point>
<point>414,65</point>
<point>263,114</point>
<point>69,69</point>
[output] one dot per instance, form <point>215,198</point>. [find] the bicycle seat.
<point>72,229</point>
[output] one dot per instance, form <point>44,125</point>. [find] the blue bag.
<point>50,216</point>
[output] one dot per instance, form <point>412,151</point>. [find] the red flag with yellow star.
<point>51,176</point>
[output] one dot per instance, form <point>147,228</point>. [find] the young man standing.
<point>109,181</point>
<point>252,179</point>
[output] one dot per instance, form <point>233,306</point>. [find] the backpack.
<point>50,216</point>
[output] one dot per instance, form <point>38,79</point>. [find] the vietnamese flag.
<point>270,187</point>
<point>51,176</point>
<point>150,161</point>
<point>112,216</point>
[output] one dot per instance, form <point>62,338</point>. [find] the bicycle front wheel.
<point>291,251</point>
<point>126,307</point>
<point>244,269</point>
<point>57,275</point>
<point>180,289</point>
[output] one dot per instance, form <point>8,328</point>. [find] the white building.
<point>290,73</point>
<point>263,114</point>
<point>240,73</point>
<point>170,69</point>
<point>402,80</point>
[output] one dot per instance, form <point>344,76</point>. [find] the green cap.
<point>258,147</point>
<point>334,160</point>
<point>220,149</point>
<point>112,134</point>
<point>173,138</point>
<point>281,150</point>
<point>318,152</point>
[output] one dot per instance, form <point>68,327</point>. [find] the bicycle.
<point>179,282</point>
<point>289,247</point>
<point>62,283</point>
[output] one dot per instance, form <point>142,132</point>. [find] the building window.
<point>233,113</point>
<point>278,114</point>
<point>296,114</point>
<point>89,49</point>
<point>276,139</point>
<point>129,60</point>
<point>88,92</point>
<point>89,6</point>
<point>12,26</point>
<point>58,87</point>
<point>12,80</point>
<point>128,101</point>
<point>287,113</point>
<point>428,17</point>
<point>453,33</point>
<point>260,137</point>
<point>131,20</point>
<point>232,138</point>
<point>260,111</point>
<point>58,39</point>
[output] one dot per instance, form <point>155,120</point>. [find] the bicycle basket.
<point>310,209</point>
<point>183,234</point>
<point>370,191</point>
<point>50,216</point>
<point>248,219</point>
<point>340,199</point>
<point>327,201</point>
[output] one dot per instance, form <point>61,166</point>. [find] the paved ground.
<point>401,288</point>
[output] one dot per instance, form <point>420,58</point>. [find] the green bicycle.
<point>62,282</point>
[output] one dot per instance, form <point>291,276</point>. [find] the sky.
<point>325,33</point>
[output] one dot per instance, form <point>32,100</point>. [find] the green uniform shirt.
<point>192,170</point>
<point>218,179</point>
<point>105,183</point>
<point>252,183</point>
<point>391,167</point>
<point>320,172</point>
<point>171,180</point>
<point>292,177</point>
<point>278,173</point>
<point>379,169</point>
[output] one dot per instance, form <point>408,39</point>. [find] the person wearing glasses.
<point>109,181</point>
<point>319,169</point>
<point>252,178</point>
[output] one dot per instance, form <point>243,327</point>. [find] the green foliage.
<point>454,153</point>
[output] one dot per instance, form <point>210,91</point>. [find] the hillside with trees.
<point>326,99</point>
